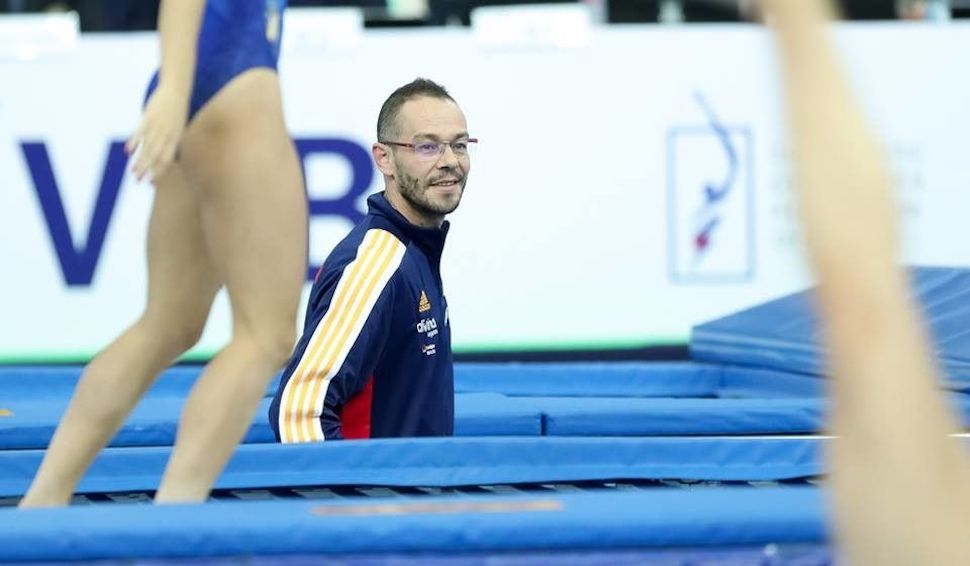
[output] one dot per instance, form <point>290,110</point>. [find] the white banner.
<point>623,190</point>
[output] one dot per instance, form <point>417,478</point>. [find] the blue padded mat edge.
<point>454,462</point>
<point>646,519</point>
<point>783,333</point>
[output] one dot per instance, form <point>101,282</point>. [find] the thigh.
<point>182,280</point>
<point>254,209</point>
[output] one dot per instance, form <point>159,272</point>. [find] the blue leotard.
<point>236,35</point>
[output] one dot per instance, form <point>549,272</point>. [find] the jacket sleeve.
<point>346,332</point>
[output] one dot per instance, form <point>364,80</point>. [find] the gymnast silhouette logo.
<point>711,233</point>
<point>709,215</point>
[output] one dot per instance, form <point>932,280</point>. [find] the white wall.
<point>587,193</point>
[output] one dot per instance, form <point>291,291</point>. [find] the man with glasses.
<point>375,356</point>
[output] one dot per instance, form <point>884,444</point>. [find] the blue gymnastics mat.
<point>735,401</point>
<point>761,555</point>
<point>492,399</point>
<point>443,462</point>
<point>783,334</point>
<point>31,424</point>
<point>574,379</point>
<point>154,421</point>
<point>653,518</point>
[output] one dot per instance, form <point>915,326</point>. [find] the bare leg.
<point>255,219</point>
<point>181,286</point>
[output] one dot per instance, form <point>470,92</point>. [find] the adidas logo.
<point>424,305</point>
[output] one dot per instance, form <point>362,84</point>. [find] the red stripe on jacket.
<point>355,416</point>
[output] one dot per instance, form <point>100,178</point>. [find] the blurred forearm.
<point>179,22</point>
<point>880,355</point>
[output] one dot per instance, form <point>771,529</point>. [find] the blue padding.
<point>440,462</point>
<point>640,379</point>
<point>643,519</point>
<point>601,379</point>
<point>632,417</point>
<point>29,383</point>
<point>491,414</point>
<point>753,383</point>
<point>797,554</point>
<point>612,379</point>
<point>152,423</point>
<point>779,334</point>
<point>34,382</point>
<point>783,334</point>
<point>155,420</point>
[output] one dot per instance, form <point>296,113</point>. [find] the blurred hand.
<point>156,140</point>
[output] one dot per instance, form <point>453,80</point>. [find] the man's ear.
<point>383,159</point>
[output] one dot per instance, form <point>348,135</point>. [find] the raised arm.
<point>901,485</point>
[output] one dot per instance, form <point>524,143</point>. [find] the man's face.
<point>431,175</point>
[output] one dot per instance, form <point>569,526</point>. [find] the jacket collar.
<point>430,240</point>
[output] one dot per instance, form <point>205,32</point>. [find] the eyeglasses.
<point>428,150</point>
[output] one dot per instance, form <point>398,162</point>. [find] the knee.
<point>274,342</point>
<point>174,335</point>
